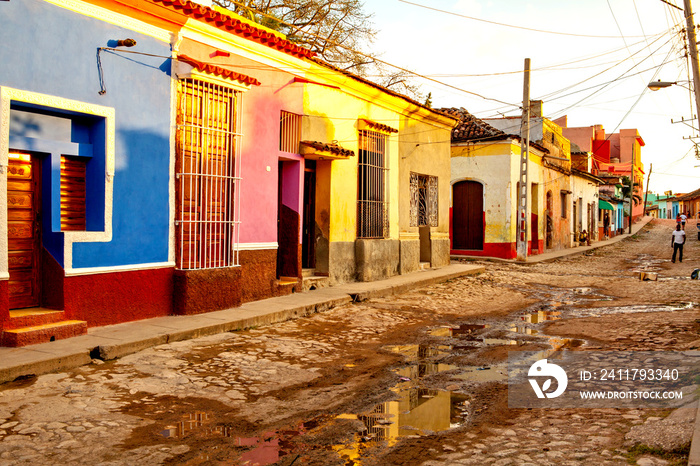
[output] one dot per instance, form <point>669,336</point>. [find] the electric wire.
<point>508,25</point>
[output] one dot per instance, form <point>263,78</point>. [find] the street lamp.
<point>656,85</point>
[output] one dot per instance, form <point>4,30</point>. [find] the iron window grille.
<point>290,132</point>
<point>207,175</point>
<point>424,200</point>
<point>372,195</point>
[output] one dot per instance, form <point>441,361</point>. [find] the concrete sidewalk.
<point>114,341</point>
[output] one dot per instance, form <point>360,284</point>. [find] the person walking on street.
<point>683,220</point>
<point>677,241</point>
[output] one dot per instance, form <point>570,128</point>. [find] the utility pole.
<point>523,220</point>
<point>693,50</point>
<point>647,191</point>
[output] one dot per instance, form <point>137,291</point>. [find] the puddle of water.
<point>600,311</point>
<point>418,411</point>
<point>465,329</point>
<point>501,341</point>
<point>524,330</point>
<point>422,370</point>
<point>266,448</point>
<point>646,263</point>
<point>420,352</point>
<point>541,316</point>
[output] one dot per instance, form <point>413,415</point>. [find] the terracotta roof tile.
<point>234,26</point>
<point>470,128</point>
<point>218,71</point>
<point>332,148</point>
<point>373,125</point>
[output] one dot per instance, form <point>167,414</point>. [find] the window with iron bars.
<point>290,132</point>
<point>424,200</point>
<point>372,205</point>
<point>207,168</point>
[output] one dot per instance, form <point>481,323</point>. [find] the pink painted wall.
<point>260,125</point>
<point>261,128</point>
<point>582,136</point>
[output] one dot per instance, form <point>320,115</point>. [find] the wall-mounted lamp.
<point>126,43</point>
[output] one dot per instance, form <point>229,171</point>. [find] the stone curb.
<point>115,341</point>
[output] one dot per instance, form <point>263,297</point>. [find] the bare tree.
<point>340,32</point>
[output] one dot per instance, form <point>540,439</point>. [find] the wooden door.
<point>23,230</point>
<point>468,215</point>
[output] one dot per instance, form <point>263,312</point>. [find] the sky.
<point>590,60</point>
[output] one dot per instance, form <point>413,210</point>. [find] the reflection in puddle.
<point>501,341</point>
<point>422,370</point>
<point>595,312</point>
<point>524,330</point>
<point>541,316</point>
<point>266,448</point>
<point>465,329</point>
<point>418,411</point>
<point>420,352</point>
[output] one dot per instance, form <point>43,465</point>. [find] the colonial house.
<point>689,203</point>
<point>176,158</point>
<point>485,176</point>
<point>615,156</point>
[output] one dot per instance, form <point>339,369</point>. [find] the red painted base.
<point>111,298</point>
<point>502,250</point>
<point>198,291</point>
<point>43,333</point>
<point>4,302</point>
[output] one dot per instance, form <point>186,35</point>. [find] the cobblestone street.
<point>417,378</point>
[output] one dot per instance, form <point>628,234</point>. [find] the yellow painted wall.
<point>424,147</point>
<point>332,116</point>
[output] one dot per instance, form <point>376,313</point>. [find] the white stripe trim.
<point>118,268</point>
<point>255,246</point>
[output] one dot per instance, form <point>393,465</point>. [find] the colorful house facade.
<point>485,176</point>
<point>85,144</point>
<point>615,156</point>
<point>177,159</point>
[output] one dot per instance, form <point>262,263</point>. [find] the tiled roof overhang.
<point>234,26</point>
<point>322,150</point>
<point>219,71</point>
<point>472,129</point>
<point>374,126</point>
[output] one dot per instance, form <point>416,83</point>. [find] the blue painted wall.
<point>51,50</point>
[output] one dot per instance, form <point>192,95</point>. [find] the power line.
<point>509,25</point>
<point>376,59</point>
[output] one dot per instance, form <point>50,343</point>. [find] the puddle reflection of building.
<point>266,448</point>
<point>418,352</point>
<point>196,421</point>
<point>417,411</point>
<point>541,316</point>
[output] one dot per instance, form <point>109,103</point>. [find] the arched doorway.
<point>468,215</point>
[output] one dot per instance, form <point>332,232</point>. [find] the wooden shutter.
<point>72,193</point>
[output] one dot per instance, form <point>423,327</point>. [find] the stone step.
<point>43,333</point>
<point>34,316</point>
<point>424,265</point>
<point>314,282</point>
